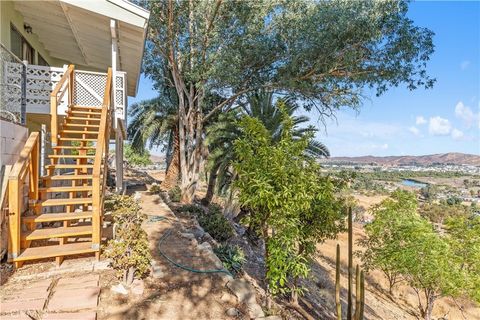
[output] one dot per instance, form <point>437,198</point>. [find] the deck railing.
<point>99,168</point>
<point>25,167</point>
<point>65,85</point>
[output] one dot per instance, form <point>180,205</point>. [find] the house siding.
<point>8,16</point>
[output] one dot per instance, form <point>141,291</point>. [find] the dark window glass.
<point>16,42</point>
<point>20,47</point>
<point>41,61</point>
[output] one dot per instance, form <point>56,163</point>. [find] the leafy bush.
<point>216,224</point>
<point>232,257</point>
<point>191,208</point>
<point>175,194</point>
<point>128,250</point>
<point>136,158</point>
<point>155,189</point>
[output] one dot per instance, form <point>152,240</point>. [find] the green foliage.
<point>136,158</point>
<point>75,152</point>
<point>216,224</point>
<point>429,192</point>
<point>463,235</point>
<point>191,208</point>
<point>287,197</point>
<point>406,247</point>
<point>439,212</point>
<point>128,251</point>
<point>155,188</point>
<point>454,200</point>
<point>231,256</point>
<point>175,194</point>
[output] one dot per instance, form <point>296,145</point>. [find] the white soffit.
<point>78,31</point>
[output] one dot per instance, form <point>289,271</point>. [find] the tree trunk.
<point>212,181</point>
<point>173,169</point>
<point>427,313</point>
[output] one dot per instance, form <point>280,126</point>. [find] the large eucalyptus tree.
<point>322,52</point>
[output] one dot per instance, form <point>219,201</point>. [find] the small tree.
<point>384,235</point>
<point>404,245</point>
<point>136,158</point>
<point>290,207</point>
<point>128,250</point>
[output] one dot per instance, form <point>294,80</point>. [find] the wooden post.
<point>350,264</point>
<point>53,120</point>
<point>14,205</point>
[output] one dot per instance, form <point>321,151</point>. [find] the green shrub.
<point>216,224</point>
<point>136,158</point>
<point>232,257</point>
<point>191,208</point>
<point>175,194</point>
<point>155,189</point>
<point>129,251</point>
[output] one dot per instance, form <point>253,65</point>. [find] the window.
<point>20,47</point>
<point>41,61</point>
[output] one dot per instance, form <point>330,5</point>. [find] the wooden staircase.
<point>64,212</point>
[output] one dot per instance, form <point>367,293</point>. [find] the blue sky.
<point>402,122</point>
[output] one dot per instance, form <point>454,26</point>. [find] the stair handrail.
<point>98,184</point>
<point>65,84</point>
<point>26,165</point>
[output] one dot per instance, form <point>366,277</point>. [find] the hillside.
<point>442,158</point>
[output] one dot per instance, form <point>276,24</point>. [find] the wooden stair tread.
<point>74,147</point>
<point>63,202</point>
<point>55,251</point>
<point>68,177</point>
<point>71,156</point>
<point>63,216</point>
<point>66,189</point>
<point>86,107</point>
<point>69,166</point>
<point>81,125</point>
<point>80,131</point>
<point>83,118</point>
<point>77,139</point>
<point>60,232</point>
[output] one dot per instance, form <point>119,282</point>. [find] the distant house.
<point>66,70</point>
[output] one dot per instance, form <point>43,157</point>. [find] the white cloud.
<point>457,134</point>
<point>439,126</point>
<point>420,120</point>
<point>466,114</point>
<point>464,65</point>
<point>414,130</point>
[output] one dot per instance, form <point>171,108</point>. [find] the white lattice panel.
<point>89,88</point>
<point>120,95</point>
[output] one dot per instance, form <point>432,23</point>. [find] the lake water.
<point>413,183</point>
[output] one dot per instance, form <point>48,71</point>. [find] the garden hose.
<point>181,266</point>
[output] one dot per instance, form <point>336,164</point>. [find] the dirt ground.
<point>378,304</point>
<point>176,294</point>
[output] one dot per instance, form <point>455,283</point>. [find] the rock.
<point>255,311</point>
<point>120,289</point>
<point>156,270</point>
<point>233,312</point>
<point>205,246</point>
<point>188,236</point>
<point>137,196</point>
<point>137,287</point>
<point>207,237</point>
<point>198,232</point>
<point>243,290</point>
<point>270,318</point>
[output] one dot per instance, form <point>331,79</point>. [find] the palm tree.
<point>222,134</point>
<point>154,123</point>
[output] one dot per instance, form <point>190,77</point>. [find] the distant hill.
<point>157,159</point>
<point>442,158</point>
